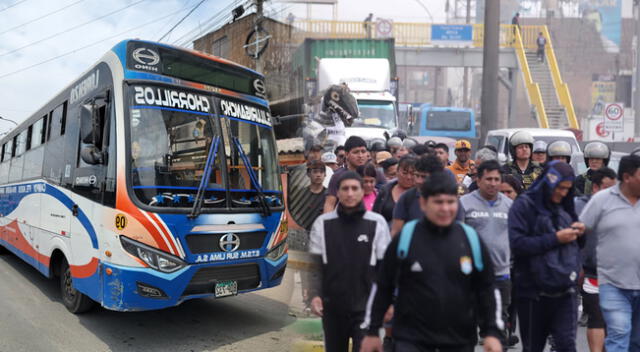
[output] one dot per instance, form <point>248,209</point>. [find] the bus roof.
<point>121,48</point>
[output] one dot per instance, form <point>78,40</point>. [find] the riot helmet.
<point>559,148</point>
<point>518,138</point>
<point>597,150</point>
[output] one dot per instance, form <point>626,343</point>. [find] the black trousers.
<point>339,327</point>
<point>409,346</point>
<point>548,315</point>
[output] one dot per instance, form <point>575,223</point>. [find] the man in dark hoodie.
<point>545,238</point>
<point>347,243</point>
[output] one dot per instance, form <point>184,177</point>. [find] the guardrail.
<point>533,89</point>
<point>405,33</point>
<point>562,89</point>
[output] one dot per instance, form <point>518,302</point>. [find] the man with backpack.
<point>545,238</point>
<point>443,276</point>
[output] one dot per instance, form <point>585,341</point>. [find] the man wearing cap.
<point>330,160</point>
<point>347,244</point>
<point>463,163</point>
<point>539,152</point>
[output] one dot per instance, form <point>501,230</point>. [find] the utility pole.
<point>465,79</point>
<point>259,14</point>
<point>636,91</point>
<point>489,100</point>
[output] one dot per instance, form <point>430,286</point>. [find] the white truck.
<point>370,83</point>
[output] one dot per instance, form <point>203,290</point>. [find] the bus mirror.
<point>86,123</point>
<point>91,155</point>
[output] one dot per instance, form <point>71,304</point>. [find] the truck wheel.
<point>73,300</point>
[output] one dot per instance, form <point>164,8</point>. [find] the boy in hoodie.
<point>487,211</point>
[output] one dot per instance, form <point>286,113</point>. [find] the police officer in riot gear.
<point>522,167</point>
<point>596,156</point>
<point>540,152</point>
<point>559,150</point>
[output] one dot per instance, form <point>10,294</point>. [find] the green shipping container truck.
<point>304,66</point>
<point>305,58</point>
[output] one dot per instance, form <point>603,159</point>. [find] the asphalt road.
<point>33,319</point>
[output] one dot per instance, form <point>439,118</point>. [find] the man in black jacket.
<point>348,243</point>
<point>441,291</point>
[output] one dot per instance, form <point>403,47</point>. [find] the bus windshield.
<point>249,146</point>
<point>376,114</point>
<point>169,148</point>
<point>448,120</point>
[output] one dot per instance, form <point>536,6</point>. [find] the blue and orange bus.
<point>150,180</point>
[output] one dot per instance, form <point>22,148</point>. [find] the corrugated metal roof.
<point>290,146</point>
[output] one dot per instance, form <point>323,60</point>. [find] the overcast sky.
<point>46,44</point>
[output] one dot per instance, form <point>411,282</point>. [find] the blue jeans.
<point>621,311</point>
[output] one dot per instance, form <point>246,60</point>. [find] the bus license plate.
<point>226,288</point>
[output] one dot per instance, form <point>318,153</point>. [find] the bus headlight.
<point>278,252</point>
<point>154,258</point>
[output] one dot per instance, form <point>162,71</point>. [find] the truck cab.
<point>370,83</point>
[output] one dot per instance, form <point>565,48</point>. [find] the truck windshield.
<point>376,114</point>
<point>250,144</point>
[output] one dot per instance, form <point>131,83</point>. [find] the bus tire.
<point>73,300</point>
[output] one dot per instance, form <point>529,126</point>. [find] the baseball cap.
<point>382,156</point>
<point>463,144</point>
<point>329,158</point>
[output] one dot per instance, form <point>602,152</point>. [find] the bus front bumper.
<point>138,289</point>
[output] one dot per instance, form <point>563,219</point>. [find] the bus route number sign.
<point>121,222</point>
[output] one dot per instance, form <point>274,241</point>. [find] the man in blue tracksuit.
<point>545,238</point>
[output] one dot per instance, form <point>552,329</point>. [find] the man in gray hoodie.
<point>487,211</point>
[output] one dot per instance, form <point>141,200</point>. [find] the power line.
<point>182,19</point>
<point>100,41</point>
<point>221,16</point>
<point>198,27</point>
<point>70,29</point>
<point>41,17</point>
<point>14,4</point>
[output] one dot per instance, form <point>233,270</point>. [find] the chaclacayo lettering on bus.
<point>171,98</point>
<point>85,87</point>
<point>219,256</point>
<point>244,112</point>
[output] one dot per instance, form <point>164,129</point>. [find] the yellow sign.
<point>121,222</point>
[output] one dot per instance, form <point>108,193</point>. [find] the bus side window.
<point>92,130</point>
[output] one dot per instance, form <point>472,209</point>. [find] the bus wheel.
<point>73,300</point>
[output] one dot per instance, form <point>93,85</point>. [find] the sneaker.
<point>512,340</point>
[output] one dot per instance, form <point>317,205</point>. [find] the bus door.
<point>91,159</point>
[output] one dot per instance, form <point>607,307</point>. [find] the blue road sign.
<point>451,33</point>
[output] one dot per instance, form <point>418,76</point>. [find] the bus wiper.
<point>254,179</point>
<point>211,159</point>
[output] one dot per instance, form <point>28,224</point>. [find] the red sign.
<point>601,131</point>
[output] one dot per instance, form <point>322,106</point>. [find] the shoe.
<point>512,340</point>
